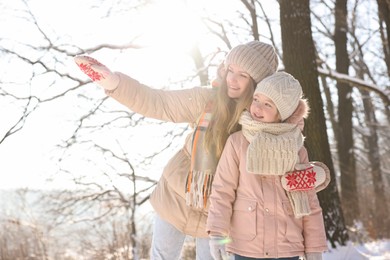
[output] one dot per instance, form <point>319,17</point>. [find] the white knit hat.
<point>284,90</point>
<point>258,59</point>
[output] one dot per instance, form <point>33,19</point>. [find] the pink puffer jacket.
<point>255,211</point>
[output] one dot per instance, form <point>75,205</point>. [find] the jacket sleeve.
<point>223,191</point>
<point>313,225</point>
<point>178,106</point>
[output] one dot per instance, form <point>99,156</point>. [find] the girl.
<point>180,203</point>
<point>256,209</point>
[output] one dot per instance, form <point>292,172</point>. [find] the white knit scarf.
<point>273,150</point>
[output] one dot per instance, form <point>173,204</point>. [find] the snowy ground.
<point>378,250</point>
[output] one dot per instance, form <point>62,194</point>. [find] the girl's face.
<point>263,109</point>
<point>237,81</point>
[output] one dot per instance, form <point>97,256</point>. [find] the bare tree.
<point>112,175</point>
<point>364,127</point>
<point>384,29</point>
<point>376,223</point>
<point>300,60</point>
<point>23,234</point>
<point>344,127</point>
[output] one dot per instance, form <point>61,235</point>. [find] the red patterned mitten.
<point>97,72</point>
<point>313,175</point>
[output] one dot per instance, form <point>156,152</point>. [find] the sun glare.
<point>171,25</point>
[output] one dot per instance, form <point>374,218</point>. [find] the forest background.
<point>77,168</point>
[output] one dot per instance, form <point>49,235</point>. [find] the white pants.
<point>167,243</point>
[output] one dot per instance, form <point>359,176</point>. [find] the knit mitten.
<point>97,72</point>
<point>297,183</point>
<point>313,256</point>
<point>312,175</point>
<point>217,247</point>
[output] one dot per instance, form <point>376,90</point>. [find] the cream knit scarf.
<point>273,150</point>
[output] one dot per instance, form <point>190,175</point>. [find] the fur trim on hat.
<point>301,112</point>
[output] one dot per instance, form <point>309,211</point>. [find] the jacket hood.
<point>300,113</point>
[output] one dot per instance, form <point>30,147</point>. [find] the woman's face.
<point>263,109</point>
<point>237,81</point>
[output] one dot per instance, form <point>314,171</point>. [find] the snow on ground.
<point>377,250</point>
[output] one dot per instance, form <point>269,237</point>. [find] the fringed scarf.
<point>203,165</point>
<point>273,150</point>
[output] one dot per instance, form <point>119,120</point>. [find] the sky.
<point>26,157</point>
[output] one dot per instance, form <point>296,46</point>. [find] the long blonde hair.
<point>225,115</point>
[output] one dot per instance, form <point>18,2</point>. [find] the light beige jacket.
<point>179,106</point>
<point>255,211</point>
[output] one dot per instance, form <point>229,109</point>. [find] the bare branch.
<point>355,82</point>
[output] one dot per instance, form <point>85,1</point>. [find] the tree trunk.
<point>199,64</point>
<point>300,60</point>
<point>345,145</point>
<point>380,217</point>
<point>251,7</point>
<point>384,17</point>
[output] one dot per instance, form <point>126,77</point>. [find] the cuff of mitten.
<point>313,256</point>
<point>215,234</point>
<point>216,237</point>
<point>114,85</point>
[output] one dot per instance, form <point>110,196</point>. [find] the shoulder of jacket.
<point>237,138</point>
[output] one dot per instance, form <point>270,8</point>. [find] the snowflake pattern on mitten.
<point>301,179</point>
<point>86,68</point>
<point>306,176</point>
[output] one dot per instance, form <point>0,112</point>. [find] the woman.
<point>180,198</point>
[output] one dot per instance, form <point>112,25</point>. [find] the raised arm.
<point>168,105</point>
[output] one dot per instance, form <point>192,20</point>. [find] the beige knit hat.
<point>258,59</point>
<point>284,90</point>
